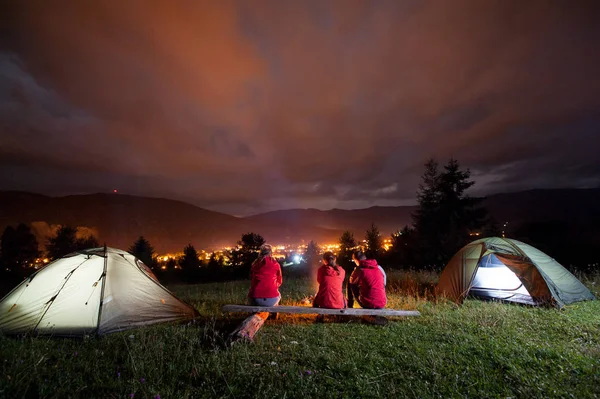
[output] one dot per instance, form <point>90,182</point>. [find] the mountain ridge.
<point>118,219</point>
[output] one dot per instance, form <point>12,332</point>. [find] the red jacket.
<point>265,278</point>
<point>369,279</point>
<point>331,293</point>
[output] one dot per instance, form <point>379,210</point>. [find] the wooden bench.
<point>250,326</point>
<point>311,310</point>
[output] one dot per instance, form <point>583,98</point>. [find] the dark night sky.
<point>255,105</point>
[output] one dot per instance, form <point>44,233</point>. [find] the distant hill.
<point>565,205</point>
<point>169,225</point>
<point>120,219</point>
<point>575,207</point>
<point>329,225</point>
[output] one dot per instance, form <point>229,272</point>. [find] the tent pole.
<point>102,290</point>
<point>519,251</point>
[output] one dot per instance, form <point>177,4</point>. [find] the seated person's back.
<point>265,279</point>
<point>367,283</point>
<point>331,280</point>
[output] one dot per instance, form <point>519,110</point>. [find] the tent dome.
<point>509,270</point>
<point>95,291</point>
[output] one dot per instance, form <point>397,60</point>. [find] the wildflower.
<point>273,364</point>
<point>75,354</point>
<point>131,395</point>
<point>294,342</point>
<point>308,372</point>
<point>142,380</point>
<point>118,374</point>
<point>157,396</point>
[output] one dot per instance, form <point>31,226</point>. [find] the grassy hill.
<point>480,349</point>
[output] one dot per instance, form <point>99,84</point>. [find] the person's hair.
<point>359,255</point>
<point>264,251</point>
<point>329,260</point>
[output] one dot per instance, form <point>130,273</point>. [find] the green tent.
<point>509,270</point>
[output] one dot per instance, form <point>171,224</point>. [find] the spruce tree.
<point>374,242</point>
<point>142,250</point>
<point>64,242</point>
<point>446,214</point>
<point>347,245</point>
<point>18,248</point>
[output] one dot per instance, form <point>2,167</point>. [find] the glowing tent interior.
<point>95,291</point>
<point>509,270</point>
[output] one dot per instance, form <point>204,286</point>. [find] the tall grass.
<point>591,280</point>
<point>480,349</point>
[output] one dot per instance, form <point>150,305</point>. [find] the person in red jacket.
<point>331,280</point>
<point>265,279</point>
<point>367,283</point>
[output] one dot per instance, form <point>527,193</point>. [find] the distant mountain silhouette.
<point>565,205</point>
<point>169,225</point>
<point>120,219</point>
<point>313,224</point>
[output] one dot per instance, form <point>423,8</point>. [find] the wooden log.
<point>248,329</point>
<point>311,310</point>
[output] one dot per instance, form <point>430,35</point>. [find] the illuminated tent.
<point>509,270</point>
<point>95,291</point>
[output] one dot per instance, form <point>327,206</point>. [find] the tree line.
<point>19,248</point>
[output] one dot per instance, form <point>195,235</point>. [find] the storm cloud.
<point>246,106</point>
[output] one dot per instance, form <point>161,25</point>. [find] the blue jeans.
<point>264,301</point>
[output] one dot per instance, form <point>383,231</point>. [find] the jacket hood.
<point>330,271</point>
<point>258,263</point>
<point>369,264</point>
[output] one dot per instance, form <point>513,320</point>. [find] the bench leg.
<point>248,329</point>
